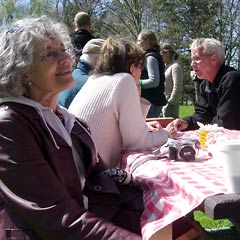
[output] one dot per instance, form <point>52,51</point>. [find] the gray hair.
<point>210,46</point>
<point>20,45</point>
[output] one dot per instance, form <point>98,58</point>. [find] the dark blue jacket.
<point>80,75</point>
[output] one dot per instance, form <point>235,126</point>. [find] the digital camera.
<point>185,149</point>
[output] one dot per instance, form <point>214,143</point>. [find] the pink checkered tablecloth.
<point>173,188</point>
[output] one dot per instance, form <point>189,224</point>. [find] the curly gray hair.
<point>19,45</point>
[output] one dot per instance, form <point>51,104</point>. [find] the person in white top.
<point>110,103</point>
<point>173,81</point>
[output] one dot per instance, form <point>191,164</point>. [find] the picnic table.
<point>172,189</point>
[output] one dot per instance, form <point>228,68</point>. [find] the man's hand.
<point>178,124</point>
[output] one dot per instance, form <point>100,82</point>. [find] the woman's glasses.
<point>55,54</point>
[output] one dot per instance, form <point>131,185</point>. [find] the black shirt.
<point>218,102</point>
<point>80,38</point>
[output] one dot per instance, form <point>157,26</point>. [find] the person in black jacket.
<point>218,100</point>
<point>82,26</point>
<point>152,78</point>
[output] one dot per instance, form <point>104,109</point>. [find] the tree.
<point>228,29</point>
<point>124,17</point>
<point>177,22</point>
<point>7,11</point>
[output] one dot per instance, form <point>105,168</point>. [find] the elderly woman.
<point>109,102</point>
<point>47,155</point>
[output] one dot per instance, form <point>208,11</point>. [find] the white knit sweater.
<point>112,108</point>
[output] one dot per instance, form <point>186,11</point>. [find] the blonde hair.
<point>152,39</point>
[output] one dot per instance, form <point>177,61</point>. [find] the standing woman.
<point>152,77</point>
<point>173,81</point>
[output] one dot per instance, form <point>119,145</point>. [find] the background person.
<point>152,78</point>
<point>173,81</point>
<point>48,161</point>
<point>219,96</point>
<point>82,27</point>
<point>80,73</point>
<point>109,102</point>
<point>196,82</point>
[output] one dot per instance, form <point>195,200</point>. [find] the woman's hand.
<point>154,126</point>
<point>172,131</point>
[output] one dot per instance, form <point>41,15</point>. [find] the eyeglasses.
<point>198,59</point>
<point>53,55</point>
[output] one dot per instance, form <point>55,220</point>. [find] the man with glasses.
<point>219,93</point>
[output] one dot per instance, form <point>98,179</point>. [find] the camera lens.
<point>187,153</point>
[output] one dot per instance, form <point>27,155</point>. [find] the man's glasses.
<point>198,59</point>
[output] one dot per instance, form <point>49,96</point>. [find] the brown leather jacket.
<point>40,190</point>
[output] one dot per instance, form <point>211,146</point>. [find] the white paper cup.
<point>228,155</point>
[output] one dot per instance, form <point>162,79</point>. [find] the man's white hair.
<point>210,46</point>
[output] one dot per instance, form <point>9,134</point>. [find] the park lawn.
<point>186,110</point>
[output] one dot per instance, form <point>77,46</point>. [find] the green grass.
<point>209,223</point>
<point>186,111</point>
<point>217,229</point>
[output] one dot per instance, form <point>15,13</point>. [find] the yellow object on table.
<point>205,130</point>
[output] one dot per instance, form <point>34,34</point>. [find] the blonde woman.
<point>152,78</point>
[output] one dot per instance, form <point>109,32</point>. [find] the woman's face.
<point>143,42</point>
<point>51,72</point>
<point>136,72</point>
<point>166,55</point>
